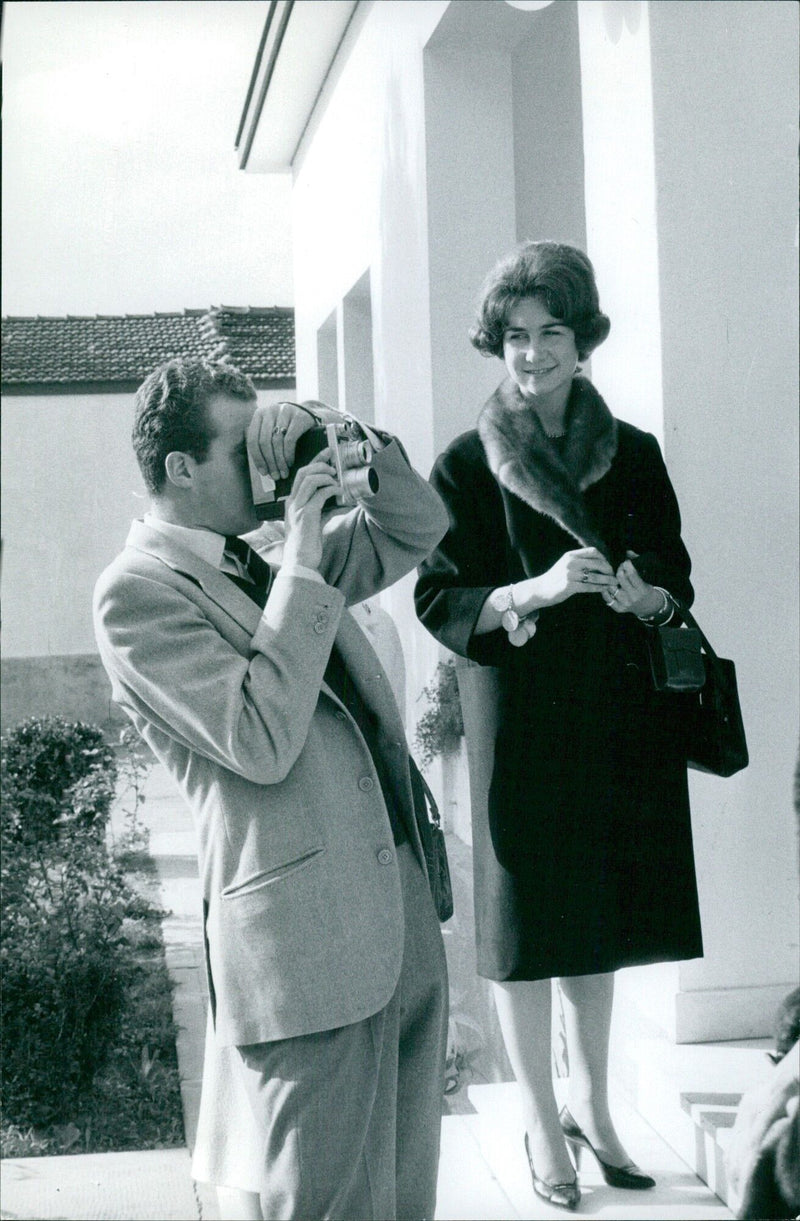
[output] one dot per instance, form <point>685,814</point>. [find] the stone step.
<point>689,1093</point>
<point>713,1116</point>
<point>497,1129</point>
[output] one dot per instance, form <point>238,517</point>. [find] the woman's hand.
<point>585,571</point>
<point>632,595</point>
<point>313,485</point>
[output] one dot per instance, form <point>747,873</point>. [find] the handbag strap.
<point>690,621</point>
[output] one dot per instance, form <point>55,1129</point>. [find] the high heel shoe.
<point>629,1175</point>
<point>563,1195</point>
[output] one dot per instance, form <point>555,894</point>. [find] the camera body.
<point>351,458</point>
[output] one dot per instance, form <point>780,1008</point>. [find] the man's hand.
<point>273,435</point>
<point>313,485</point>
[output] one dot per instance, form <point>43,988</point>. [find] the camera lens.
<point>355,453</point>
<point>360,484</point>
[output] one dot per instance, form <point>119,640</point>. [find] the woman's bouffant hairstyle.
<point>171,412</point>
<point>561,276</point>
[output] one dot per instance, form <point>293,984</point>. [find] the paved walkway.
<point>483,1172</point>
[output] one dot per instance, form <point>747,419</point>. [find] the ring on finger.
<point>585,576</point>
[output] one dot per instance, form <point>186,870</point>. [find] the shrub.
<point>440,728</point>
<point>61,945</point>
<point>55,772</point>
<point>63,963</point>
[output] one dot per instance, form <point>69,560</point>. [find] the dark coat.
<point>585,862</point>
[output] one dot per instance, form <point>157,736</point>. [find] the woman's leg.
<point>523,1008</point>
<point>588,1001</point>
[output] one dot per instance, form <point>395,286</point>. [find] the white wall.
<point>690,146</point>
<point>359,205</point>
<point>548,128</point>
<point>71,487</point>
<point>620,206</point>
<point>726,171</point>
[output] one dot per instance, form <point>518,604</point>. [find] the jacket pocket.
<point>264,877</point>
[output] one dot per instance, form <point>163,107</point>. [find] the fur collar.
<point>524,461</point>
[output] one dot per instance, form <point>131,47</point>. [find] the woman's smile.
<point>539,352</point>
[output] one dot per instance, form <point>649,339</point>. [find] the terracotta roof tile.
<point>46,351</point>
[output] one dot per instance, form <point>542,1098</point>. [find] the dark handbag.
<point>713,728</point>
<point>676,658</point>
<point>429,823</point>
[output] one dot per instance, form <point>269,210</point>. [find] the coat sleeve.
<point>382,539</point>
<point>171,667</point>
<point>470,561</point>
<point>656,528</point>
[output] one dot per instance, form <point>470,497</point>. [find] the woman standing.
<point>563,548</point>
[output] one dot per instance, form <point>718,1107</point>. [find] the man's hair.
<point>561,276</point>
<point>171,412</point>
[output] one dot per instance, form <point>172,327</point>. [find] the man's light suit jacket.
<point>303,909</point>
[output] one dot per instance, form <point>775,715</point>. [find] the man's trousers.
<point>349,1119</point>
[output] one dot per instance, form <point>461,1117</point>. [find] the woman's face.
<point>539,351</point>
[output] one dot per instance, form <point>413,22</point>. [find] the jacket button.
<point>319,628</point>
<point>323,619</point>
<point>385,856</point>
<point>366,783</point>
<point>341,716</point>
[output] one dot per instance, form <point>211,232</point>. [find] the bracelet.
<point>525,631</point>
<point>666,609</point>
<point>502,600</point>
<point>520,628</point>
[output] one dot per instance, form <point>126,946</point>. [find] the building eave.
<point>297,48</point>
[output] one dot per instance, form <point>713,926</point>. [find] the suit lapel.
<point>214,584</point>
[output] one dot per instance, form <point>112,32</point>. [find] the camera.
<point>351,458</point>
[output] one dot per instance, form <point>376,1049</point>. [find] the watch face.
<point>510,620</point>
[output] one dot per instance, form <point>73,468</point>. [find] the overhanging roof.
<point>297,47</point>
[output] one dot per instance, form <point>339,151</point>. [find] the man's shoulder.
<point>128,561</point>
<point>130,570</point>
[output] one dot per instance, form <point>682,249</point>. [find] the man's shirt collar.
<point>206,544</point>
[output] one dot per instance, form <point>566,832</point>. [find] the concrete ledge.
<point>155,1185</point>
<point>712,1015</point>
<point>74,686</point>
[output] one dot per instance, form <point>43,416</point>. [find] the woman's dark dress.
<point>586,863</point>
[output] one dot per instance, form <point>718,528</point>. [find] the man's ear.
<point>179,468</point>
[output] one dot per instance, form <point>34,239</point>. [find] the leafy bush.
<point>63,961</point>
<point>61,944</point>
<point>55,772</point>
<point>441,727</point>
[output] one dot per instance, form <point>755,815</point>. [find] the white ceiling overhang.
<point>297,48</point>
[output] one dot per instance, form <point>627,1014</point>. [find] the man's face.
<point>221,483</point>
